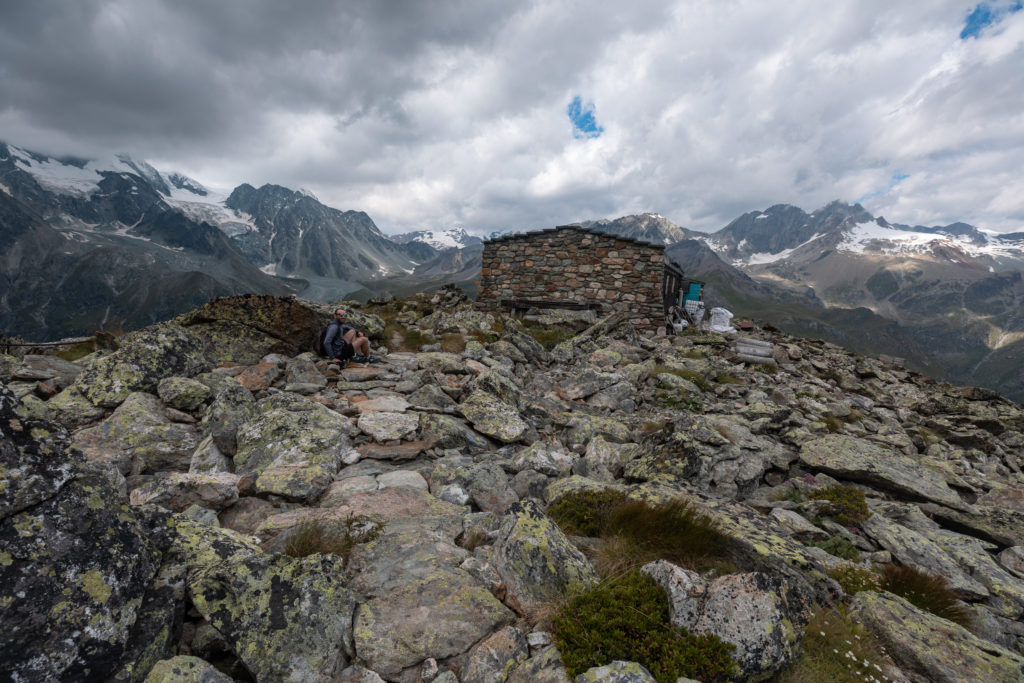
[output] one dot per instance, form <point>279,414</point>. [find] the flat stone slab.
<point>361,373</point>
<point>404,451</point>
<point>384,404</point>
<point>857,460</point>
<point>387,426</point>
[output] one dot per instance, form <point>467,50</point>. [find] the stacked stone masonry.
<point>573,264</point>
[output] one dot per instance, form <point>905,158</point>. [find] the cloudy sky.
<point>500,115</point>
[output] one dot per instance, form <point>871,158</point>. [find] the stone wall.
<point>574,264</point>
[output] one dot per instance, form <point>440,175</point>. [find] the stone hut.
<point>572,267</point>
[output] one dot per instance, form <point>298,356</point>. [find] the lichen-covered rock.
<point>75,561</point>
<point>384,426</point>
<point>177,491</point>
<point>616,672</point>
<point>934,648</point>
<point>486,484</point>
<point>138,437</point>
<point>185,669</point>
<point>762,615</point>
<point>581,428</point>
<point>247,327</point>
<point>535,559</point>
<point>444,363</point>
<point>182,393</point>
<point>421,604</point>
<point>447,431</point>
<point>494,659</point>
<point>858,460</point>
<point>232,406</point>
<point>543,667</point>
<point>493,417</point>
<point>35,458</point>
<point>293,445</point>
<point>208,458</point>
<point>72,409</point>
<point>144,358</point>
<point>914,548</point>
<point>286,618</point>
<point>550,459</point>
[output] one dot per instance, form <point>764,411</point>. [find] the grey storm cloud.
<point>429,114</point>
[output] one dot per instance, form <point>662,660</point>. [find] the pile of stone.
<point>146,496</point>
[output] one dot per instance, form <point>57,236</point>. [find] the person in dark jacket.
<point>342,342</point>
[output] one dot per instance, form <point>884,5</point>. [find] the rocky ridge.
<point>147,496</point>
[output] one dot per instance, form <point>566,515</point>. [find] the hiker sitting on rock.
<point>342,342</point>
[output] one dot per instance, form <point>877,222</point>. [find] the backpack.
<point>318,341</point>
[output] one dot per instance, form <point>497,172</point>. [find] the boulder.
<point>551,459</point>
<point>259,377</point>
<point>73,410</point>
<point>493,417</point>
<point>232,405</point>
<point>850,458</point>
<point>493,659</point>
<point>761,615</point>
<point>383,426</point>
<point>139,438</point>
<point>616,672</point>
<point>178,491</point>
<point>185,669</point>
<point>76,563</point>
<point>293,446</point>
<point>246,327</point>
<point>285,618</point>
<point>421,604</point>
<point>536,560</point>
<point>543,667</point>
<point>144,358</point>
<point>914,548</point>
<point>182,393</point>
<point>932,647</point>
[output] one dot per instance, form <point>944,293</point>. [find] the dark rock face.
<point>302,237</point>
<point>119,255</point>
<point>73,620</point>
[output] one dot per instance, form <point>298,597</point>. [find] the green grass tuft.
<point>627,618</point>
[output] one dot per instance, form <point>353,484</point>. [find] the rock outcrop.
<point>213,502</point>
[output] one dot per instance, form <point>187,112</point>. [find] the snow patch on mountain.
<point>761,259</point>
<point>440,240</point>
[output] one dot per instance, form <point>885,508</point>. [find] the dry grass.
<point>927,591</point>
<point>453,343</point>
<point>473,539</point>
<point>633,533</point>
<point>333,539</point>
<point>837,650</point>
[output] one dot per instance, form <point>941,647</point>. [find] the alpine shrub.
<point>627,618</point>
<point>848,506</point>
<point>840,547</point>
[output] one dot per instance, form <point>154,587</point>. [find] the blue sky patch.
<point>897,178</point>
<point>985,14</point>
<point>584,125</point>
